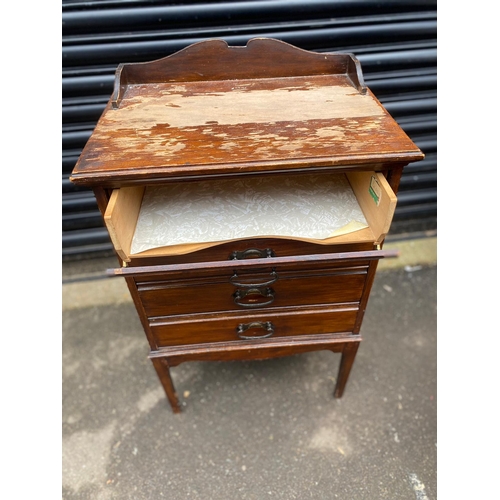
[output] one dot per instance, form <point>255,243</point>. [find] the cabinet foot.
<point>163,371</point>
<point>348,354</point>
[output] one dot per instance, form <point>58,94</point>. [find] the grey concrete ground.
<point>252,430</point>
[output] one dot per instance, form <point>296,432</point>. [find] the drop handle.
<point>253,253</point>
<point>244,327</point>
<point>236,281</point>
<point>252,295</point>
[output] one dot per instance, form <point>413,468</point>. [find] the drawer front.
<point>272,323</point>
<point>246,250</point>
<point>251,291</point>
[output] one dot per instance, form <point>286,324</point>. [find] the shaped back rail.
<point>216,60</point>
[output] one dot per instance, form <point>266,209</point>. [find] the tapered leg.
<point>163,371</point>
<point>348,354</point>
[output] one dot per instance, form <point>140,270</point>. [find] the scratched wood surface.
<point>173,129</point>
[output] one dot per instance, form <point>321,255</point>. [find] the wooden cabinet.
<point>247,192</point>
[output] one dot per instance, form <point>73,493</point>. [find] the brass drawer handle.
<point>252,252</point>
<point>233,280</point>
<point>243,327</point>
<point>250,293</point>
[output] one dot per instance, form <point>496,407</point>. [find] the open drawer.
<point>373,199</point>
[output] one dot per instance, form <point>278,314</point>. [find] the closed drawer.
<point>272,323</point>
<point>249,291</point>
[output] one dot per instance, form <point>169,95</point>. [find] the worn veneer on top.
<point>201,123</point>
<point>214,109</point>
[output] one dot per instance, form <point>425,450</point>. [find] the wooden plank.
<point>121,218</point>
<point>376,199</point>
<point>189,114</point>
<point>195,123</point>
<point>211,60</point>
<point>231,265</point>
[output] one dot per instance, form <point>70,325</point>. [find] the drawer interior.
<point>365,193</point>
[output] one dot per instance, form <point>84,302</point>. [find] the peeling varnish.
<point>176,147</point>
<point>332,132</point>
<point>258,141</point>
<point>158,146</point>
<point>229,145</point>
<point>285,120</point>
<point>180,125</point>
<point>237,107</point>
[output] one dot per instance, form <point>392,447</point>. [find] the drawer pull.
<point>250,294</point>
<point>233,280</point>
<point>243,327</point>
<point>252,252</point>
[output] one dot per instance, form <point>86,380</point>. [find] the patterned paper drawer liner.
<point>312,207</point>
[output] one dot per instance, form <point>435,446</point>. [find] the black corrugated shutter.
<point>395,42</point>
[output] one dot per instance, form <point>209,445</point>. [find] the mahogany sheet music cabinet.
<point>258,133</point>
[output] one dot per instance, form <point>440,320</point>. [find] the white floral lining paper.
<point>306,207</point>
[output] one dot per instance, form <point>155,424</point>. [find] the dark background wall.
<point>395,42</point>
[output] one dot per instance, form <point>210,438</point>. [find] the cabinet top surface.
<point>282,120</point>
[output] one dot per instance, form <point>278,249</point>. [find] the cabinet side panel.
<point>376,199</point>
<point>121,218</point>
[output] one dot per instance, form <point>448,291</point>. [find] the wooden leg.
<point>348,354</point>
<point>163,371</point>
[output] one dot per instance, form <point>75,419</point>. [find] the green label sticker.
<point>375,190</point>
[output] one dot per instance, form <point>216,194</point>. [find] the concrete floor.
<point>252,430</point>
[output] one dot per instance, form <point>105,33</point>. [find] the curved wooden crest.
<point>216,60</point>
